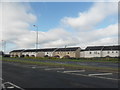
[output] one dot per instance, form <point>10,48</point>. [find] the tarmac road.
<point>25,76</point>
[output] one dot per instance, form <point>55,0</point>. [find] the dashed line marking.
<point>73,71</point>
<point>13,85</point>
<point>99,74</point>
<point>95,76</point>
<point>54,69</point>
<point>33,67</point>
<point>42,67</point>
<point>10,87</point>
<point>106,78</point>
<point>91,76</point>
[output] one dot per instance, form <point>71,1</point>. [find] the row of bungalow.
<point>70,52</point>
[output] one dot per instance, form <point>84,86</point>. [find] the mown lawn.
<point>112,60</point>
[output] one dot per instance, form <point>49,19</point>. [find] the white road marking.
<point>54,69</point>
<point>106,78</point>
<point>1,79</point>
<point>73,71</point>
<point>13,85</point>
<point>94,76</point>
<point>91,76</point>
<point>42,67</point>
<point>10,87</point>
<point>99,74</point>
<point>3,86</point>
<point>33,67</point>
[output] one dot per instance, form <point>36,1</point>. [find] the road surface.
<point>32,76</point>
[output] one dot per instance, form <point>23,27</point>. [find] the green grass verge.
<point>106,60</point>
<point>71,66</point>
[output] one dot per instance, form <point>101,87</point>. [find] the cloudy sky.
<point>59,23</point>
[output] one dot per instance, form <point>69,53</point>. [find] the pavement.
<point>25,76</point>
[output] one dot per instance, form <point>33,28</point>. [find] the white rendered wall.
<point>111,53</point>
<point>82,54</point>
<point>48,53</point>
<point>87,54</point>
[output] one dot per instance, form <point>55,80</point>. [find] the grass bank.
<point>70,66</point>
<point>104,60</point>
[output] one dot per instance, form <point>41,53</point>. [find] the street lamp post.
<point>4,45</point>
<point>36,38</point>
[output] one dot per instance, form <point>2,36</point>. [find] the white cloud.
<point>101,36</point>
<point>88,19</point>
<point>108,41</point>
<point>57,37</point>
<point>17,18</point>
<point>109,31</point>
<point>16,21</point>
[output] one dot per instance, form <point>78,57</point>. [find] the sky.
<point>60,24</point>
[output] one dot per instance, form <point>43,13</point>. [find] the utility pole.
<point>101,55</point>
<point>65,49</point>
<point>4,46</point>
<point>36,38</point>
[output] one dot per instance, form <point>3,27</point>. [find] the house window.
<point>116,52</point>
<point>58,52</point>
<point>108,52</point>
<point>90,52</point>
<point>47,52</point>
<point>68,52</point>
<point>112,52</point>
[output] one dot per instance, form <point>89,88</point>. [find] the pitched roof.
<point>112,47</point>
<point>68,49</point>
<point>93,48</point>
<point>82,50</point>
<point>47,49</point>
<point>17,50</point>
<point>40,50</point>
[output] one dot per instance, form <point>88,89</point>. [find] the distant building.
<point>48,52</point>
<point>101,51</point>
<point>72,52</point>
<point>16,53</point>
